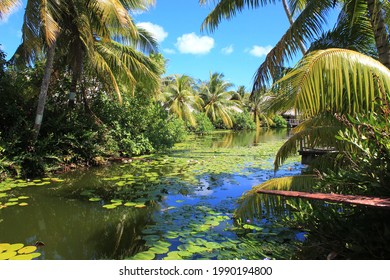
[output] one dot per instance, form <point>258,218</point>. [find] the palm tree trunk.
<point>380,32</point>
<point>291,20</point>
<point>44,89</point>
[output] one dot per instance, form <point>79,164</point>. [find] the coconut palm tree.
<point>326,87</point>
<point>179,97</point>
<point>217,98</point>
<point>307,27</point>
<point>6,7</point>
<point>327,83</point>
<point>96,36</point>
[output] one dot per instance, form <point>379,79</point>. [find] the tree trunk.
<point>291,20</point>
<point>380,32</point>
<point>44,89</point>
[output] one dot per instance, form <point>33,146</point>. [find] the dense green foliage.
<point>85,134</point>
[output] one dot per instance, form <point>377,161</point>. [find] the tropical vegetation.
<point>340,90</point>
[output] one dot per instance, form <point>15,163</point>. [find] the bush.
<point>243,121</point>
<point>203,125</point>
<point>77,135</point>
<point>278,121</point>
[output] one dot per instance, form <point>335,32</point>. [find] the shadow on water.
<point>186,195</point>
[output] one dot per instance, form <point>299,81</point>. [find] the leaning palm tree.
<point>180,99</point>
<point>6,7</point>
<point>218,102</point>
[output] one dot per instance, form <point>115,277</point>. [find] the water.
<point>180,205</point>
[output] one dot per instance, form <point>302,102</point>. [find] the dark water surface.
<point>170,206</point>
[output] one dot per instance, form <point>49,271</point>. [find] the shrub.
<point>278,121</point>
<point>203,125</point>
<point>243,121</point>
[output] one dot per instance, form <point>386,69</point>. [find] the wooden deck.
<point>346,199</point>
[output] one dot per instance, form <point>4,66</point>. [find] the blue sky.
<point>235,49</point>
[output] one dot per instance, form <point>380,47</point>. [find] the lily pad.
<point>23,204</point>
<point>110,206</point>
<point>147,255</point>
<point>25,257</point>
<point>27,250</point>
<point>15,247</point>
<point>6,255</point>
<point>95,199</point>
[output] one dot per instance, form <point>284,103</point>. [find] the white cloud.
<point>193,44</point>
<point>228,50</point>
<point>155,30</point>
<point>260,51</point>
<point>169,51</point>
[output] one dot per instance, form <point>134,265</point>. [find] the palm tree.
<point>6,7</point>
<point>180,99</point>
<point>325,87</point>
<point>218,102</point>
<point>327,83</point>
<point>307,27</point>
<point>90,35</point>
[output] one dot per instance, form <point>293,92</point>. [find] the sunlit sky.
<point>236,48</point>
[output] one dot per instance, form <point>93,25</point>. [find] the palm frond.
<point>6,6</point>
<point>336,81</point>
<point>316,132</point>
<point>227,9</point>
<point>251,203</point>
<point>307,26</point>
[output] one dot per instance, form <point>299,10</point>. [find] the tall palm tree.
<point>6,7</point>
<point>218,102</point>
<point>89,34</point>
<point>180,99</point>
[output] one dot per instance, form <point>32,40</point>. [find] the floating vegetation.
<point>182,202</point>
<point>17,251</point>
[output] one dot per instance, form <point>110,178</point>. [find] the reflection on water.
<point>72,227</point>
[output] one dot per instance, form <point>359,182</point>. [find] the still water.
<point>176,205</point>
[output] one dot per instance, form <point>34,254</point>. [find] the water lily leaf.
<point>190,248</point>
<point>27,250</point>
<point>171,235</point>
<point>23,197</point>
<point>139,205</point>
<point>110,206</point>
<point>4,246</point>
<point>144,256</point>
<point>23,204</point>
<point>95,199</point>
<point>158,250</point>
<point>13,199</point>
<point>10,203</point>
<point>25,257</point>
<point>6,255</point>
<point>130,204</point>
<point>57,180</point>
<point>15,247</point>
<point>174,255</point>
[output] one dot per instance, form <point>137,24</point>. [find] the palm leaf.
<point>307,26</point>
<point>251,204</point>
<point>227,9</point>
<point>326,81</point>
<point>6,6</point>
